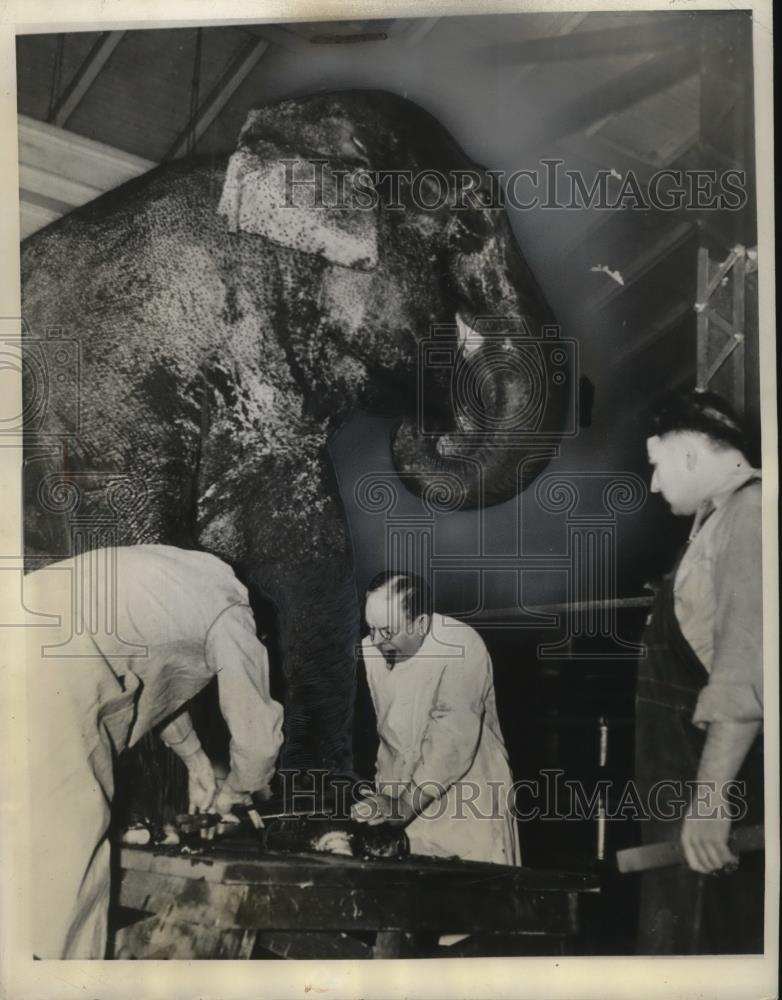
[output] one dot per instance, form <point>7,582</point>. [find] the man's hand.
<point>227,797</point>
<point>705,843</point>
<point>706,829</point>
<point>375,809</point>
<point>201,784</point>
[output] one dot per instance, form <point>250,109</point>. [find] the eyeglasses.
<point>384,633</point>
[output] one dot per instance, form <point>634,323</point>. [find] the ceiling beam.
<point>85,76</point>
<point>607,43</point>
<point>670,320</point>
<point>236,73</point>
<point>602,151</point>
<point>605,154</point>
<point>281,37</point>
<point>615,95</point>
<point>641,266</point>
<point>569,25</point>
<point>59,170</point>
<point>419,30</point>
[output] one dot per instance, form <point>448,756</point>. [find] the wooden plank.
<point>163,936</point>
<point>34,216</point>
<point>249,866</point>
<point>172,863</point>
<point>674,281</point>
<point>55,186</point>
<point>720,322</point>
<point>605,154</point>
<point>726,351</point>
<point>388,944</point>
<point>606,43</point>
<point>644,601</point>
<point>726,119</point>
<point>502,946</point>
<point>739,287</point>
<point>85,169</point>
<point>570,23</point>
<point>615,95</point>
<point>641,266</point>
<point>717,276</point>
<point>85,76</point>
<point>280,36</point>
<point>77,158</point>
<point>315,904</point>
<point>660,327</point>
<point>313,945</point>
<point>703,319</point>
<point>670,853</point>
<point>419,30</point>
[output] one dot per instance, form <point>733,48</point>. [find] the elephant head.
<point>425,289</point>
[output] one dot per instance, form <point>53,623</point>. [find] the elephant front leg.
<point>318,618</point>
<point>279,520</point>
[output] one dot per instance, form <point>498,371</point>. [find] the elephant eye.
<point>355,153</point>
<point>471,225</point>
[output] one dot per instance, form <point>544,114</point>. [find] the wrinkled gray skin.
<point>216,364</point>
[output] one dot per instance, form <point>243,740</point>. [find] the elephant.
<point>223,317</point>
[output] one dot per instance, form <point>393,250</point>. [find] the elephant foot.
<point>313,790</point>
<point>150,784</point>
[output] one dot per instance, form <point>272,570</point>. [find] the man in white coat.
<point>442,769</point>
<point>136,632</point>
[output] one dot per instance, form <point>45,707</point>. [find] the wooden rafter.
<point>731,342</point>
<point>281,37</point>
<point>419,30</point>
<point>85,76</point>
<point>605,154</point>
<point>569,25</point>
<point>671,320</point>
<point>616,94</point>
<point>219,96</point>
<point>572,607</point>
<point>642,265</point>
<point>59,170</point>
<point>607,43</point>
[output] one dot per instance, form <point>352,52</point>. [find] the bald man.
<point>442,769</point>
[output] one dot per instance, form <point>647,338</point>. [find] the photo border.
<point>565,977</point>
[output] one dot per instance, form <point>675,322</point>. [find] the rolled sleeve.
<point>721,702</point>
<point>254,719</point>
<point>734,692</point>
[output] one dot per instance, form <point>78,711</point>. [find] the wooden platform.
<point>234,901</point>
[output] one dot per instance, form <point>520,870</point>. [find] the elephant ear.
<point>305,202</point>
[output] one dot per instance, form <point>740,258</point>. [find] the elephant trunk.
<point>505,413</point>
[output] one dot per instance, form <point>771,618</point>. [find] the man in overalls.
<point>699,705</point>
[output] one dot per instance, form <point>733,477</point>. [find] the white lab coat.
<point>141,630</point>
<point>437,723</point>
